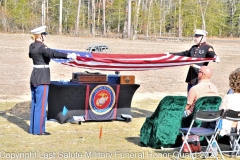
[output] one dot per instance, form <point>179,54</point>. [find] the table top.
<point>82,84</point>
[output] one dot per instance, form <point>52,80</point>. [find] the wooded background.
<point>123,18</point>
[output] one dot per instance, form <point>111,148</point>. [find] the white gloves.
<point>72,56</point>
<point>217,59</point>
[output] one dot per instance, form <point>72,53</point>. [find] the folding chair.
<point>204,116</point>
<point>233,116</point>
<point>203,103</point>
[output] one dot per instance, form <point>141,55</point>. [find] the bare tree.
<point>60,17</point>
<point>129,17</point>
<point>78,15</point>
<point>232,12</point>
<point>92,17</point>
<point>99,2</point>
<point>203,7</point>
<point>104,17</point>
<point>136,19</point>
<point>43,12</point>
<point>148,18</point>
<point>180,20</point>
<point>125,31</point>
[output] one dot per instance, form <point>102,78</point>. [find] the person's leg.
<point>38,112</point>
<point>43,96</point>
<point>33,102</point>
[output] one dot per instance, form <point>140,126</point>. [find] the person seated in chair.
<point>231,101</point>
<point>204,88</point>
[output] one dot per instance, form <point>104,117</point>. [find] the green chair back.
<point>203,103</point>
<point>162,128</point>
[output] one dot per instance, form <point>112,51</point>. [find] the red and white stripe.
<point>133,62</point>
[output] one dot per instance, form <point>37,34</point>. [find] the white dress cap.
<point>200,32</point>
<point>39,30</point>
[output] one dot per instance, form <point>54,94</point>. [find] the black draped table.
<point>92,101</point>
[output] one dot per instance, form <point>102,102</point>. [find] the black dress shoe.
<point>44,133</point>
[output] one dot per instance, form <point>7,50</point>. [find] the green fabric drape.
<point>204,103</point>
<point>162,128</point>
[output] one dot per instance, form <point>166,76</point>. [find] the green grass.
<point>120,140</point>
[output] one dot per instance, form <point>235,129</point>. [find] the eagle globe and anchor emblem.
<point>102,99</point>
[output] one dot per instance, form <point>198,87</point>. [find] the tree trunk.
<point>43,12</point>
<point>136,20</point>
<point>104,17</point>
<point>78,15</point>
<point>125,31</point>
<point>233,10</point>
<point>148,18</point>
<point>5,17</point>
<point>93,14</point>
<point>89,16</point>
<point>129,17</point>
<point>60,17</point>
<point>118,19</point>
<point>47,13</point>
<point>99,2</point>
<point>203,7</point>
<point>180,20</point>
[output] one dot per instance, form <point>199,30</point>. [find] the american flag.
<point>127,62</point>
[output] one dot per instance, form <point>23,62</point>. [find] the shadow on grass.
<point>139,113</point>
<point>171,153</point>
<point>134,140</point>
<point>18,114</point>
<point>21,110</point>
<point>21,123</point>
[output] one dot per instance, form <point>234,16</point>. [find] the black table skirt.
<point>73,97</point>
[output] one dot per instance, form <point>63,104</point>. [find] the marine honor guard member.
<point>40,79</point>
<point>200,50</point>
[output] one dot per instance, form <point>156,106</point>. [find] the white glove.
<point>72,56</point>
<point>167,53</point>
<point>217,59</point>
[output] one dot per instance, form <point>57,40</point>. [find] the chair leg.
<point>209,148</point>
<point>232,140</point>
<point>219,150</point>
<point>236,146</point>
<point>238,149</point>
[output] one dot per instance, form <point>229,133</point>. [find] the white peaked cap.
<point>201,32</point>
<point>39,30</point>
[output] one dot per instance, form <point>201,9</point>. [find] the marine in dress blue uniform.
<point>200,50</point>
<point>40,79</point>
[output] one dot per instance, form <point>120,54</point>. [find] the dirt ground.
<point>16,68</point>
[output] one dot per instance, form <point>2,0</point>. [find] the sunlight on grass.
<point>6,105</point>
